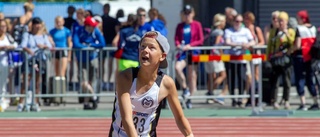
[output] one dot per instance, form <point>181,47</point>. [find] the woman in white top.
<point>6,43</point>
<point>240,39</point>
<point>141,90</point>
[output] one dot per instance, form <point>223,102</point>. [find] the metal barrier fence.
<point>205,57</point>
<point>53,87</point>
<point>34,77</point>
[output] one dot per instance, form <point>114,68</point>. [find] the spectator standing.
<point>281,41</point>
<point>85,37</point>
<point>79,24</point>
<point>131,22</point>
<point>188,34</point>
<point>273,25</point>
<point>88,13</point>
<point>120,15</point>
<point>33,43</point>
<point>110,29</point>
<point>80,20</point>
<point>216,69</point>
<point>62,39</point>
<point>230,14</point>
<point>70,20</point>
<point>249,20</point>
<point>129,39</point>
<point>158,21</point>
<point>240,39</point>
<point>143,26</point>
<point>6,43</point>
<point>22,24</point>
<point>99,20</point>
<point>303,72</point>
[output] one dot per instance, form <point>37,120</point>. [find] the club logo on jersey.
<point>147,102</point>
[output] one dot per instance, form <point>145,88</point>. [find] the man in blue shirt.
<point>85,37</point>
<point>143,26</point>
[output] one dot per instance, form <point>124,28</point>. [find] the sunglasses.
<point>142,15</point>
<point>238,21</point>
<point>274,18</point>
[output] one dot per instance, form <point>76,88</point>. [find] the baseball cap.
<point>98,18</point>
<point>90,21</point>
<point>163,42</point>
<point>187,9</point>
<point>303,14</point>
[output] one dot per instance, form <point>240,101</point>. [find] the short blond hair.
<point>28,6</point>
<point>218,18</point>
<point>58,18</point>
<point>283,15</point>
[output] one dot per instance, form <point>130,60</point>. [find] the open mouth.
<point>144,58</point>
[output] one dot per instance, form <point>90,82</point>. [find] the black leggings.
<point>236,75</point>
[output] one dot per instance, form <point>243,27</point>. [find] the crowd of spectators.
<point>287,50</point>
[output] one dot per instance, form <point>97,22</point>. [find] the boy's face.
<point>150,52</point>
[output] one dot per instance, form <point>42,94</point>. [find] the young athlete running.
<point>141,90</point>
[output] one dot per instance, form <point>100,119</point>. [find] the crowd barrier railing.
<point>51,85</point>
<point>258,52</point>
<point>49,81</point>
<point>207,57</point>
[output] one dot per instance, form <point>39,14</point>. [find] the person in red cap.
<point>85,37</point>
<point>305,39</point>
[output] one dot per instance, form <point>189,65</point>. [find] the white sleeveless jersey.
<point>145,112</point>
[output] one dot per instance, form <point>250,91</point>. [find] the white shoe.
<point>20,107</point>
<point>36,107</point>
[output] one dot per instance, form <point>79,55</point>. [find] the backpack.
<point>19,29</point>
<point>315,49</point>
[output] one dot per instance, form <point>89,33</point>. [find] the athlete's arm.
<point>123,88</point>
<point>181,121</point>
